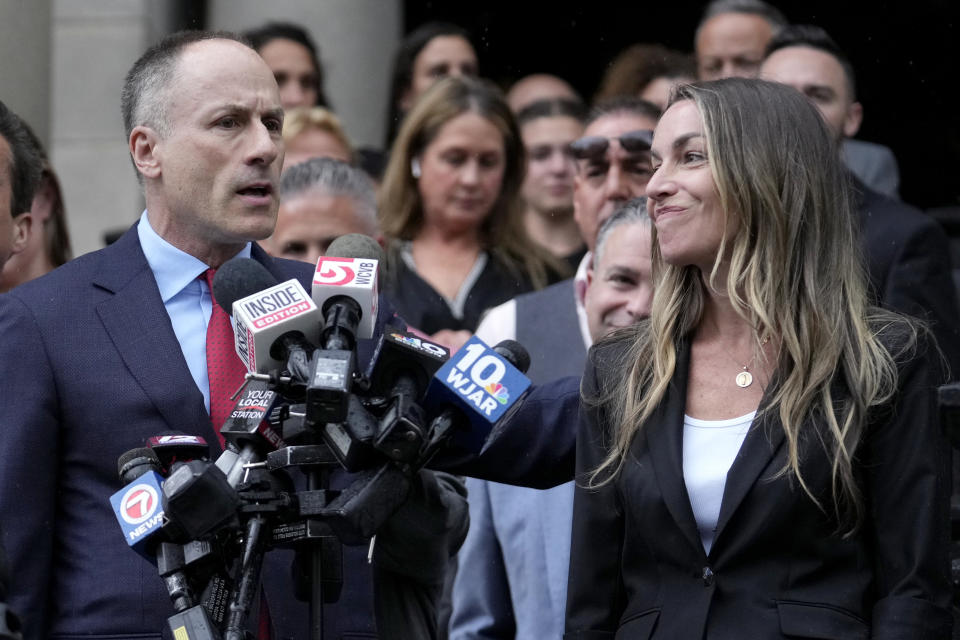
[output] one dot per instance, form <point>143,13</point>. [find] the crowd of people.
<point>736,332</point>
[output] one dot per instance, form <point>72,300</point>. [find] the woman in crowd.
<point>646,71</point>
<point>290,53</point>
<point>762,458</point>
<point>451,212</point>
<point>429,53</point>
<point>314,132</point>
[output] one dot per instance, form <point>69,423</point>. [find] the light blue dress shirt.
<point>186,298</point>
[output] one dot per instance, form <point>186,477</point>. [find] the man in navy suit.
<point>110,349</point>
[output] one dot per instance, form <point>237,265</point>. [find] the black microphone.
<point>275,323</point>
<point>475,392</point>
<point>345,289</point>
<point>402,368</point>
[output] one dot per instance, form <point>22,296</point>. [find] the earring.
<point>415,168</point>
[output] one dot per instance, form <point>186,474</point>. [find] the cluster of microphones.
<point>306,405</point>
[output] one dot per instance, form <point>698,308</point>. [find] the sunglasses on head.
<point>593,147</point>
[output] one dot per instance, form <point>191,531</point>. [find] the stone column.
<point>25,51</point>
<point>94,44</point>
<point>356,38</point>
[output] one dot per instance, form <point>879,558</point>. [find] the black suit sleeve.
<point>534,449</point>
<point>919,284</point>
<point>28,436</point>
<point>595,593</point>
<point>411,555</point>
<point>907,490</point>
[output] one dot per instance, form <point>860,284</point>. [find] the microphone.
<point>249,431</point>
<point>477,389</point>
<point>402,368</point>
<point>345,289</point>
<point>350,270</point>
<point>274,324</point>
<point>177,447</point>
<point>137,506</point>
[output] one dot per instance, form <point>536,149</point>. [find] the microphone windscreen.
<point>238,278</point>
<point>355,245</point>
<point>141,456</point>
<point>515,353</point>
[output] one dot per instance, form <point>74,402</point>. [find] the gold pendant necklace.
<point>744,379</point>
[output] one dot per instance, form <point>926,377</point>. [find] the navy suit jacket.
<point>91,368</point>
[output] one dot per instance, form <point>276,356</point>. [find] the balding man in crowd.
<point>731,41</point>
<point>539,86</point>
<point>320,200</point>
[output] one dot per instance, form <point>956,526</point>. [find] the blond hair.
<point>502,232</point>
<point>795,273</point>
<point>300,119</point>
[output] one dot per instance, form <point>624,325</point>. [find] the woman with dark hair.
<point>762,458</point>
<point>647,71</point>
<point>451,211</point>
<point>430,52</point>
<point>48,242</point>
<point>292,56</point>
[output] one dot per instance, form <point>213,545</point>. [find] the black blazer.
<point>776,568</point>
<point>908,261</point>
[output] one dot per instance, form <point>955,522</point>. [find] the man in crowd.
<point>512,575</point>
<point>547,128</point>
<point>731,41</point>
<point>320,200</point>
<point>536,87</point>
<point>907,252</point>
<point>732,36</point>
<point>127,343</point>
<point>613,166</point>
<point>47,243</point>
<point>20,167</point>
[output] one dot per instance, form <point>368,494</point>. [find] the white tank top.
<point>709,448</point>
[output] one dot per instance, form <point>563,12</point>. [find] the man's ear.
<point>589,277</point>
<point>851,123</point>
<point>22,226</point>
<point>143,145</point>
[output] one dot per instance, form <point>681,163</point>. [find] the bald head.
<point>143,97</point>
<point>732,37</point>
<point>539,86</point>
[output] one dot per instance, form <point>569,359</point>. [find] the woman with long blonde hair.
<point>451,211</point>
<point>762,458</point>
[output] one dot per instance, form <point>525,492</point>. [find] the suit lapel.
<point>665,440</point>
<point>138,323</point>
<point>756,453</point>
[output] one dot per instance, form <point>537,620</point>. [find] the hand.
<point>451,339</point>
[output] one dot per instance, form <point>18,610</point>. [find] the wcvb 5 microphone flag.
<point>482,384</point>
<point>354,278</point>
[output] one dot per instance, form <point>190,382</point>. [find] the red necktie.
<point>225,371</point>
